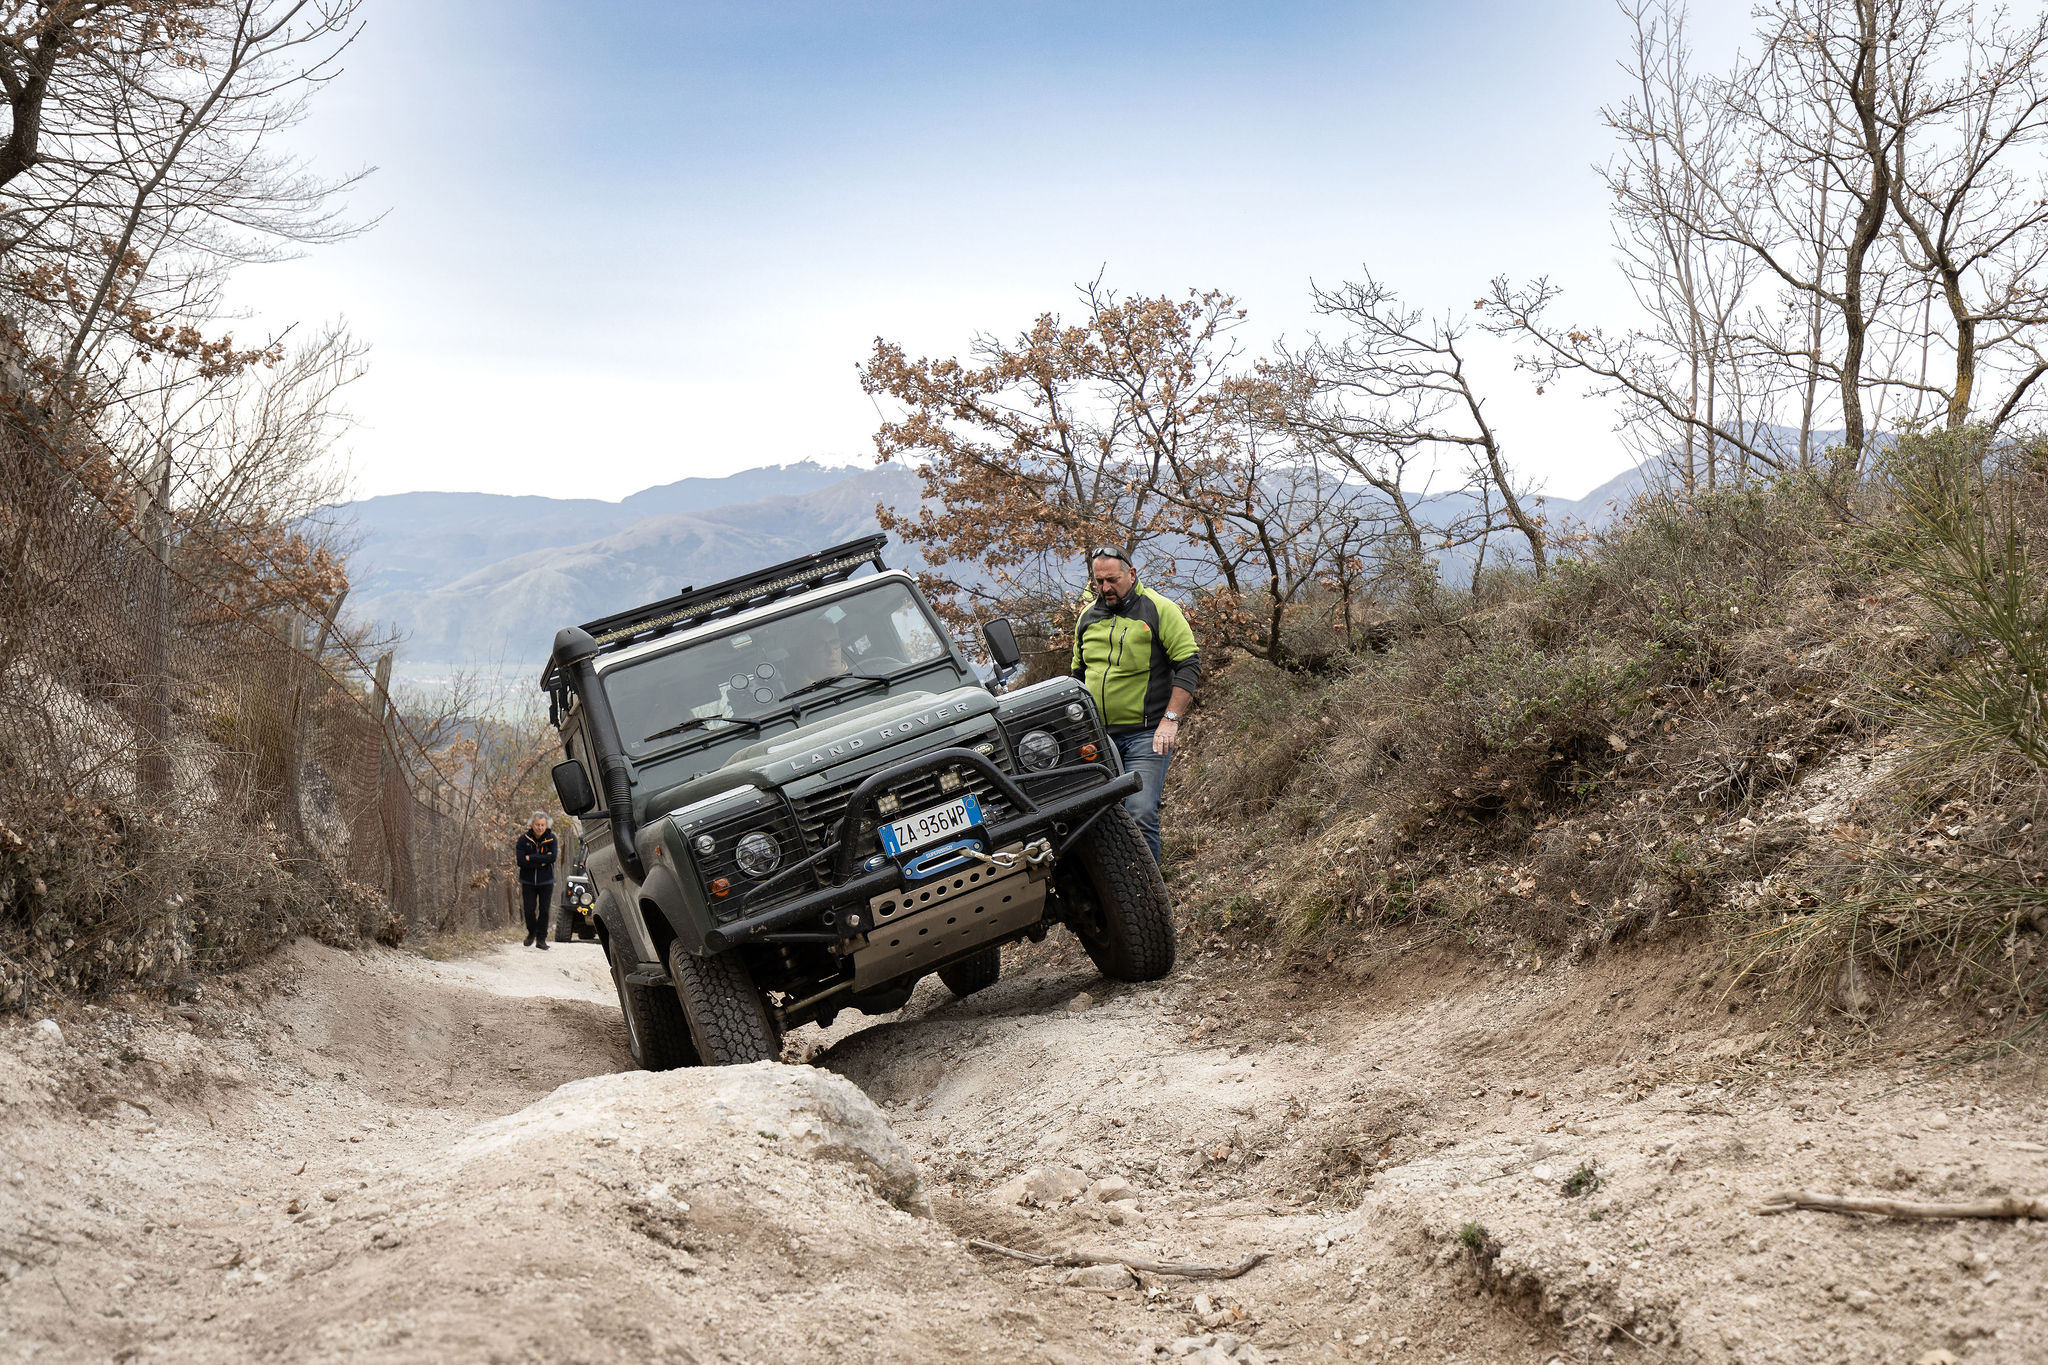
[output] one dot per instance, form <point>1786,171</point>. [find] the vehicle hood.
<point>902,719</point>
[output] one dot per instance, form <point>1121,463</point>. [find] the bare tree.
<point>1390,396</point>
<point>139,169</point>
<point>1694,289</point>
<point>1843,231</point>
<point>1971,221</point>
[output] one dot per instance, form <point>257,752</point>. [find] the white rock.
<point>1080,1002</point>
<point>1099,1277</point>
<point>796,1111</point>
<point>825,1117</point>
<point>1939,1122</point>
<point>47,1031</point>
<point>1112,1189</point>
<point>1046,1187</point>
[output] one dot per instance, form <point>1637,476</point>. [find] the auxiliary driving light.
<point>888,803</point>
<point>949,781</point>
<point>757,853</point>
<point>1038,750</point>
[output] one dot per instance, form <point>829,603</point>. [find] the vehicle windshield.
<point>733,682</point>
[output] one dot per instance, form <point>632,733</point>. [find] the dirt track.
<point>366,1155</point>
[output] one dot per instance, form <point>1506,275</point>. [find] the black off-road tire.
<point>657,1037</point>
<point>565,930</point>
<point>728,1020</point>
<point>976,973</point>
<point>1117,902</point>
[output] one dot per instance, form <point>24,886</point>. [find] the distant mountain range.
<point>486,579</point>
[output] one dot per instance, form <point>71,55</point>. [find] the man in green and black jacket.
<point>1135,652</point>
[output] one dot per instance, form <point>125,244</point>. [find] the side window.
<point>920,641</point>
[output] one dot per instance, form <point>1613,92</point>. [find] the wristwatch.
<point>1173,716</point>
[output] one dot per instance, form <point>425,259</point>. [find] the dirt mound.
<point>312,1165</point>
<point>634,1216</point>
<point>371,1155</point>
<point>1466,1159</point>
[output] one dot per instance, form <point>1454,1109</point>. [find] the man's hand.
<point>1164,736</point>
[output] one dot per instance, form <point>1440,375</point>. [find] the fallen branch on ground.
<point>2010,1206</point>
<point>1184,1269</point>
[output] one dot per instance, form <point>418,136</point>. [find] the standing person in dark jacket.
<point>536,854</point>
<point>1135,652</point>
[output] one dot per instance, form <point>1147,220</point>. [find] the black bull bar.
<point>1031,818</point>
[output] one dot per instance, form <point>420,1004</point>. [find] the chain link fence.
<point>197,762</point>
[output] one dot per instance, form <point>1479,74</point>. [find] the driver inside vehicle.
<point>816,654</point>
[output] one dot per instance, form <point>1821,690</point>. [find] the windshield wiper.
<point>822,683</point>
<point>699,722</point>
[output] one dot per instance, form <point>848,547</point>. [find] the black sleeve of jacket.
<point>1187,672</point>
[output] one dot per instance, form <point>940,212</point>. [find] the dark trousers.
<point>535,899</point>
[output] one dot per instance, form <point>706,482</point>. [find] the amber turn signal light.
<point>1087,753</point>
<point>720,886</point>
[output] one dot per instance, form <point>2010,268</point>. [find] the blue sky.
<point>624,242</point>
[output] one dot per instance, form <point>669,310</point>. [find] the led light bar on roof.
<point>774,587</point>
<point>694,605</point>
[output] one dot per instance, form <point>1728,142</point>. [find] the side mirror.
<point>572,785</point>
<point>1002,646</point>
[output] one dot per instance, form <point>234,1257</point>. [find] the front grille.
<point>820,811</point>
<point>726,832</point>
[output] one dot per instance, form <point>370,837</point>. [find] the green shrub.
<point>1514,697</point>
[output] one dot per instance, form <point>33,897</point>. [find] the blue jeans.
<point>1136,747</point>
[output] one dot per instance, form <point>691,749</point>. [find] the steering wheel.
<point>866,666</point>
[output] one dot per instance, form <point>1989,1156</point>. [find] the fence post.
<point>152,638</point>
<point>394,801</point>
<point>305,672</point>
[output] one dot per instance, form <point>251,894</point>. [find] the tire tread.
<point>976,973</point>
<point>727,1020</point>
<point>656,1018</point>
<point>1131,893</point>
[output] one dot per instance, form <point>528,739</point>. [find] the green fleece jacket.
<point>1132,656</point>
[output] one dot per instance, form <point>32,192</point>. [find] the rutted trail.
<point>368,1155</point>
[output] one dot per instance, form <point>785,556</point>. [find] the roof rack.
<point>694,606</point>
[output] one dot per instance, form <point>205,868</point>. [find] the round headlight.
<point>1076,712</point>
<point>758,854</point>
<point>705,845</point>
<point>1038,750</point>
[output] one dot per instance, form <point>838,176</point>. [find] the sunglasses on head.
<point>1107,552</point>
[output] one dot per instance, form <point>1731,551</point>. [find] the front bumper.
<point>849,891</point>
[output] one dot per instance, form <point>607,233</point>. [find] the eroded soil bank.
<point>373,1156</point>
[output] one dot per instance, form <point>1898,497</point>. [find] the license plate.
<point>928,826</point>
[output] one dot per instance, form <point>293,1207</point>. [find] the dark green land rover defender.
<point>809,802</point>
